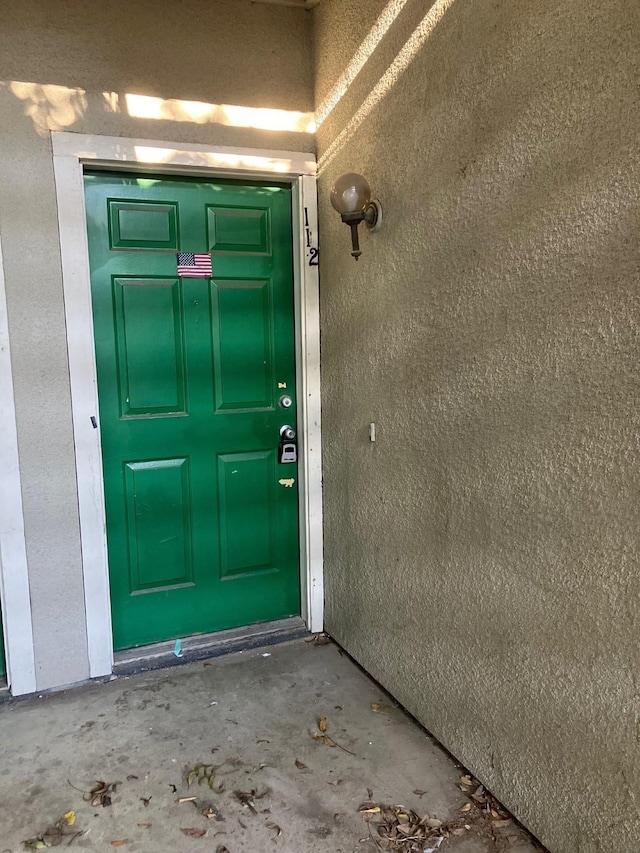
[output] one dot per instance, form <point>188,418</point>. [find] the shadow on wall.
<point>54,107</point>
<point>387,80</point>
<point>51,107</point>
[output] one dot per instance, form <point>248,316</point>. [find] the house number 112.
<point>312,251</point>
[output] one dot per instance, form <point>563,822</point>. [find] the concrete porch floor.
<point>250,713</point>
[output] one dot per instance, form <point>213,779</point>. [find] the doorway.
<point>194,376</point>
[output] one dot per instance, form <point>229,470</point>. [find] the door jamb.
<point>71,153</point>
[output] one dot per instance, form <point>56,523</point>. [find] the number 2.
<point>313,260</point>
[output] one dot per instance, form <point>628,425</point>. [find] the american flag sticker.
<point>192,265</point>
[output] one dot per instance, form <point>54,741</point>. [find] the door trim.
<point>15,597</point>
<point>71,152</point>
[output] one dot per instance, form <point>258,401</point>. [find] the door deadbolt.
<point>285,401</point>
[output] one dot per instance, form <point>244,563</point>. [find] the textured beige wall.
<point>482,555</point>
<point>67,65</point>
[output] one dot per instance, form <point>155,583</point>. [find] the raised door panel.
<point>247,513</point>
<point>143,225</point>
<point>242,332</point>
<point>158,499</point>
<point>150,342</point>
<point>239,230</point>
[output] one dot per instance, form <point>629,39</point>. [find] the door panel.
<point>201,535</point>
<point>135,225</point>
<point>149,341</point>
<point>159,530</point>
<point>237,229</point>
<point>242,333</point>
<point>240,475</point>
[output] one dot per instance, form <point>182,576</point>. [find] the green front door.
<point>202,518</point>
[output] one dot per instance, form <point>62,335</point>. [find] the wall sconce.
<point>351,197</point>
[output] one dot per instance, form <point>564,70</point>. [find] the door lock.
<point>288,449</point>
<point>287,432</point>
<point>285,401</point>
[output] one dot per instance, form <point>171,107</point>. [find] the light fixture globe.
<point>351,197</point>
<point>350,193</point>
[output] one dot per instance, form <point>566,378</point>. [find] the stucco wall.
<point>69,65</point>
<point>482,555</point>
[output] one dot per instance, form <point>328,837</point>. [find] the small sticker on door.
<point>288,483</point>
<point>282,384</point>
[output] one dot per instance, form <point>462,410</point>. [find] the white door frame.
<point>71,152</point>
<point>15,598</point>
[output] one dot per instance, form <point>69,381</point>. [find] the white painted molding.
<point>308,392</point>
<point>118,152</point>
<point>71,152</point>
<point>14,577</point>
<point>84,405</point>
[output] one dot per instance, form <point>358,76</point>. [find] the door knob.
<point>287,432</point>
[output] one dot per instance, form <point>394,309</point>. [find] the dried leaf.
<point>329,741</point>
<point>70,818</point>
<point>335,782</point>
<point>300,765</point>
<point>466,807</point>
<point>419,793</point>
<point>99,795</point>
<point>222,849</point>
<point>246,798</point>
<point>131,778</point>
<point>379,708</point>
<point>276,829</point>
<point>144,825</point>
<point>204,773</point>
<point>187,799</point>
<point>322,725</point>
<point>368,811</point>
<point>502,822</point>
<point>326,740</point>
<point>120,842</point>
<point>193,832</point>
